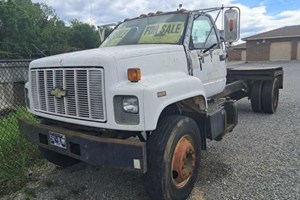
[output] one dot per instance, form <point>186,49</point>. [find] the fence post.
<point>19,93</point>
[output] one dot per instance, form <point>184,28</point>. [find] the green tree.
<point>54,37</point>
<point>22,26</point>
<point>83,36</point>
<point>30,30</point>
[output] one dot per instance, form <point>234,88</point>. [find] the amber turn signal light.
<point>231,25</point>
<point>134,74</point>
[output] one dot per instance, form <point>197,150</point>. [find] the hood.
<point>102,56</point>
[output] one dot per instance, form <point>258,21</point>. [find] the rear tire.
<point>270,96</point>
<point>256,99</point>
<point>58,159</point>
<point>173,152</point>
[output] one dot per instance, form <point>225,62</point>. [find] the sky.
<point>257,16</point>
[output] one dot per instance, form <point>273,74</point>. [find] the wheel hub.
<point>183,162</point>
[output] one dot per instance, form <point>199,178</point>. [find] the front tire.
<point>173,152</point>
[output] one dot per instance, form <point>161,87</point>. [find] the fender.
<point>166,90</point>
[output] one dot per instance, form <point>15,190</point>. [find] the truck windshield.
<point>161,29</point>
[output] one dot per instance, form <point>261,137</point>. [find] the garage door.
<point>280,51</point>
<point>298,51</point>
<point>243,55</point>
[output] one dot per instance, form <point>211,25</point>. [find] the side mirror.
<point>105,30</point>
<point>232,25</point>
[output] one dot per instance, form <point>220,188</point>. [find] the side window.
<point>202,29</point>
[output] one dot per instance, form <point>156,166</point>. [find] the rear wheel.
<point>256,99</point>
<point>270,96</point>
<point>173,158</point>
<point>58,159</point>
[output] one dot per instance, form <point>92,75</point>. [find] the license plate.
<point>57,139</point>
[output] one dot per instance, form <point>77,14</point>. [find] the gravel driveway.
<point>260,159</point>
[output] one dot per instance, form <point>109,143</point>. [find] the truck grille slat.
<point>41,90</point>
<point>71,102</point>
<point>50,86</point>
<point>84,92</point>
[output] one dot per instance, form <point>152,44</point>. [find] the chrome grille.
<point>85,92</point>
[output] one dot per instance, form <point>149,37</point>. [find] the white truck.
<point>147,99</point>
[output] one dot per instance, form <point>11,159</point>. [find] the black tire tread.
<point>256,99</point>
<point>156,146</point>
<point>268,93</point>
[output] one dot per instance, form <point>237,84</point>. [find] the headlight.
<point>126,110</point>
<point>130,104</point>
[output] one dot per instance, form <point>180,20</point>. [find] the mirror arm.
<point>209,48</point>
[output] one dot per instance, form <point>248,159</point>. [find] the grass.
<point>50,183</point>
<point>29,192</point>
<point>16,154</point>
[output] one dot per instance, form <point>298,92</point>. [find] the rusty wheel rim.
<point>183,162</point>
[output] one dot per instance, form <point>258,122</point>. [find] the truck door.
<point>208,66</point>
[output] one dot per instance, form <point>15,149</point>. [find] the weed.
<point>75,192</point>
<point>30,192</point>
<point>60,197</point>
<point>16,154</point>
<point>50,183</point>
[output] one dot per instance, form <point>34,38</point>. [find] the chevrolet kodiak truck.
<point>148,98</point>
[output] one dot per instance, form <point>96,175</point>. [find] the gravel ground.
<point>260,159</point>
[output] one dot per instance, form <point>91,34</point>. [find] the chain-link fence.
<point>16,154</point>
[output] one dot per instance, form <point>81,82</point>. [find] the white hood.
<point>103,56</point>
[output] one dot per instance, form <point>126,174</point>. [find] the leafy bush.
<point>16,154</point>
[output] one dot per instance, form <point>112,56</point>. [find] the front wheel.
<point>173,152</point>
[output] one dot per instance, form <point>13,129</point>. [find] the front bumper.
<point>116,153</point>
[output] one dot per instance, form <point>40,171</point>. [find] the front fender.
<point>165,90</point>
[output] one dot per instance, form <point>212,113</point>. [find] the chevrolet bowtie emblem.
<point>58,92</point>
